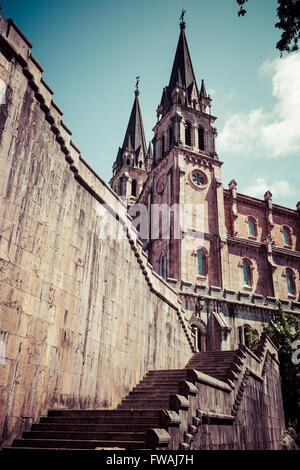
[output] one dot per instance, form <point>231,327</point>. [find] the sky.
<point>92,51</point>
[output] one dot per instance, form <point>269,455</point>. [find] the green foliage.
<point>252,339</point>
<point>288,12</point>
<point>283,330</point>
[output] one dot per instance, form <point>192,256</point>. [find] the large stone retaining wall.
<point>82,318</point>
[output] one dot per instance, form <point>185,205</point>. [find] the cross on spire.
<point>137,86</point>
<point>182,23</point>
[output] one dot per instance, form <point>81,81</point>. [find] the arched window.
<point>247,274</point>
<point>163,266</point>
<point>127,161</point>
<point>140,164</point>
<point>252,226</point>
<point>188,134</point>
<point>133,188</point>
<point>202,262</point>
<point>286,233</point>
<point>201,138</point>
<point>290,281</point>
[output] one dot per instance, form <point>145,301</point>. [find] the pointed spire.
<point>203,93</point>
<point>182,86</point>
<point>182,65</point>
<point>134,140</point>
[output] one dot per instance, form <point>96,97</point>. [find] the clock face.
<point>198,179</point>
<point>161,184</point>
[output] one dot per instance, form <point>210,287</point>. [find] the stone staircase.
<point>217,364</point>
<point>140,422</point>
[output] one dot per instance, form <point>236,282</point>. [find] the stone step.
<point>145,401</point>
<point>130,427</point>
<point>159,405</point>
<point>82,436</point>
<point>102,413</point>
<point>161,381</point>
<point>158,386</point>
<point>76,444</point>
<point>167,373</point>
<point>152,421</point>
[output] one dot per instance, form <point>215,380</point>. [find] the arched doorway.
<point>200,332</point>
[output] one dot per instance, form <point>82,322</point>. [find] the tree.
<point>284,331</point>
<point>288,12</point>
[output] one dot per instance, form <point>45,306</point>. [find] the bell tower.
<point>186,174</point>
<point>133,161</point>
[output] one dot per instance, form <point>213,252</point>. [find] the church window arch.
<point>188,133</point>
<point>290,281</point>
<point>133,188</point>
<point>128,161</point>
<point>163,265</point>
<point>247,272</point>
<point>202,262</point>
<point>286,235</point>
<point>201,138</point>
<point>252,226</point>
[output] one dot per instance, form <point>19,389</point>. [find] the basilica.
<point>247,248</point>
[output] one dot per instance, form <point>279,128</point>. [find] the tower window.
<point>246,274</point>
<point>201,138</point>
<point>188,134</point>
<point>133,188</point>
<point>285,237</point>
<point>202,263</point>
<point>127,161</point>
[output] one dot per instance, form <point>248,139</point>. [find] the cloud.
<point>277,188</point>
<point>276,133</point>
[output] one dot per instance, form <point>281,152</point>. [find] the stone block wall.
<point>82,318</point>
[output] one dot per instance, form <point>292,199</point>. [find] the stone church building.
<point>167,303</point>
<point>245,251</point>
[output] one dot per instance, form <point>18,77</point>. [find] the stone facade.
<point>218,239</point>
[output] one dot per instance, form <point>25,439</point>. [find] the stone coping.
<point>233,297</point>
